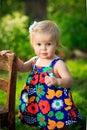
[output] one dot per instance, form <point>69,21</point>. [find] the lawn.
<point>78,69</point>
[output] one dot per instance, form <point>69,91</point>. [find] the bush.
<point>14,34</point>
<point>71,18</point>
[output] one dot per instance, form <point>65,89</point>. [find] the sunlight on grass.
<point>77,98</point>
<point>78,68</point>
<point>3,75</point>
<point>2,97</point>
<point>21,80</point>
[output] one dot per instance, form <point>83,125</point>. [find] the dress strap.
<point>35,60</point>
<point>54,61</point>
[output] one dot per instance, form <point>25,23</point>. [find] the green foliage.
<point>10,6</point>
<point>14,35</point>
<point>71,18</point>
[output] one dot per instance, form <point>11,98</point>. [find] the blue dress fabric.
<point>47,107</point>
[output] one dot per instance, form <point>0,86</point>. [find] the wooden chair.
<point>7,113</point>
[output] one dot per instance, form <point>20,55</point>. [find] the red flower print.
<point>44,106</point>
<point>73,113</point>
<point>33,108</point>
<point>42,77</point>
<point>34,79</point>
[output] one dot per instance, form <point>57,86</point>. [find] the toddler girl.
<point>46,100</point>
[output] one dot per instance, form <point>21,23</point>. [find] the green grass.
<point>78,69</point>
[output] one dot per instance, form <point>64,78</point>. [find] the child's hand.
<point>50,80</point>
<point>4,52</point>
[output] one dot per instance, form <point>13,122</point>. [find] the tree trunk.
<point>36,9</point>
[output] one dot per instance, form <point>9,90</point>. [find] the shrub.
<point>14,34</point>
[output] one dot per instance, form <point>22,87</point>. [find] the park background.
<point>71,16</point>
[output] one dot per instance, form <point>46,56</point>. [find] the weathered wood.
<point>3,119</point>
<point>2,110</point>
<point>7,115</point>
<point>3,84</point>
<point>4,63</point>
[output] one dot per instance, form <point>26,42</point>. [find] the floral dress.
<point>47,107</point>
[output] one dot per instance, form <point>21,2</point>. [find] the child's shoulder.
<point>34,59</point>
<point>59,62</point>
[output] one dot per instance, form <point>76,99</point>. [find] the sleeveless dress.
<point>47,107</point>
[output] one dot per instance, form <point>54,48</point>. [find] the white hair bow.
<point>32,26</point>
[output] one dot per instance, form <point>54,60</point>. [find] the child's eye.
<point>48,44</point>
<point>39,44</point>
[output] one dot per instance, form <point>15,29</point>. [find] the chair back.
<point>8,68</point>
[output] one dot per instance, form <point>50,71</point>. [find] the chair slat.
<point>3,84</point>
<point>8,63</point>
<point>4,63</point>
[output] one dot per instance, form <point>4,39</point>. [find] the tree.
<point>36,9</point>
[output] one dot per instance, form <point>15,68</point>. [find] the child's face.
<point>43,45</point>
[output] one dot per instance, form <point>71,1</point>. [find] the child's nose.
<point>44,47</point>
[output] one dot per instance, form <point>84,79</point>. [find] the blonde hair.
<point>45,26</point>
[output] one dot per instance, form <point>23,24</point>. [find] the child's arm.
<point>24,66</point>
<point>63,77</point>
<point>21,66</point>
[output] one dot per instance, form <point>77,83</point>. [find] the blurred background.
<point>71,17</point>
<point>17,15</point>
